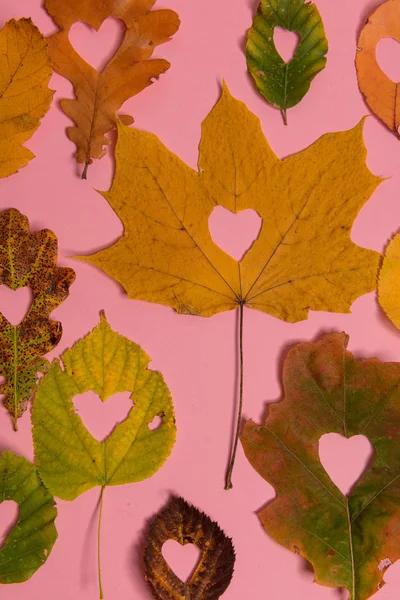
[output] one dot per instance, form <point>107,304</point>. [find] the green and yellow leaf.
<point>70,460</point>
<point>350,540</point>
<point>284,84</point>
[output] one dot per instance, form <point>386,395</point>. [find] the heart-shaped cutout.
<point>345,459</point>
<point>14,304</point>
<point>286,43</point>
<point>97,47</point>
<point>9,513</point>
<point>183,560</point>
<point>234,233</point>
<point>388,58</point>
<point>101,418</point>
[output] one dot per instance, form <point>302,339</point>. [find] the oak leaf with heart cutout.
<point>350,540</point>
<point>185,524</point>
<point>100,95</point>
<point>28,259</point>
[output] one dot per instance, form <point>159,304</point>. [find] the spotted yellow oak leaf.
<point>304,258</point>
<point>389,277</point>
<point>25,97</point>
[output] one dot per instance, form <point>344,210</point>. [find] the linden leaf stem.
<point>228,481</point>
<point>99,542</point>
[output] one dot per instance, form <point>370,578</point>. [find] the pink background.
<point>196,356</point>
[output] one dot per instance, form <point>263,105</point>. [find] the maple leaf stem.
<point>228,481</point>
<point>101,595</point>
<point>284,116</point>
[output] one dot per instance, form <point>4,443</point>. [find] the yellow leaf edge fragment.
<point>100,95</point>
<point>29,259</point>
<point>389,278</point>
<point>380,92</point>
<point>304,258</point>
<point>25,71</point>
<point>185,524</point>
<point>29,543</point>
<point>352,539</point>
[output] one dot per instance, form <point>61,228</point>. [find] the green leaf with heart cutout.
<point>352,539</point>
<point>285,84</point>
<point>70,460</point>
<point>29,543</point>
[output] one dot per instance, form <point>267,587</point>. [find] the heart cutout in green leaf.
<point>29,543</point>
<point>70,460</point>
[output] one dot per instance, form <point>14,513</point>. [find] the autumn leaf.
<point>28,259</point>
<point>284,84</point>
<point>304,258</point>
<point>69,459</point>
<point>379,91</point>
<point>185,524</point>
<point>349,539</point>
<point>29,543</point>
<point>25,97</point>
<point>100,95</point>
<point>388,288</point>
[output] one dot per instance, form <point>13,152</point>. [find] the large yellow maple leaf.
<point>303,259</point>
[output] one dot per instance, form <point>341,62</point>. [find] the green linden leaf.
<point>352,539</point>
<point>29,543</point>
<point>69,459</point>
<point>285,84</point>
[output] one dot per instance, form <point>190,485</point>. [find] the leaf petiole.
<point>228,481</point>
<point>101,595</point>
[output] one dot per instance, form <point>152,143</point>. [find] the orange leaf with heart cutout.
<point>303,259</point>
<point>100,95</point>
<point>28,259</point>
<point>350,540</point>
<point>380,92</point>
<point>185,524</point>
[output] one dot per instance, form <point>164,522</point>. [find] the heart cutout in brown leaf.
<point>185,524</point>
